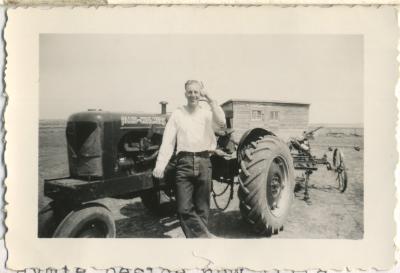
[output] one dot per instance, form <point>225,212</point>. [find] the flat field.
<point>330,215</point>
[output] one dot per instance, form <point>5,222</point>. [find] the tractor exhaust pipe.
<point>163,107</point>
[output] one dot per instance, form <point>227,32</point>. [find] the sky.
<point>133,73</point>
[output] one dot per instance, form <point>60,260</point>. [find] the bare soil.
<point>330,215</point>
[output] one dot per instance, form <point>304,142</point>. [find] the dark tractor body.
<point>109,154</point>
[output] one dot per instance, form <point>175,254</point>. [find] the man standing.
<point>191,129</point>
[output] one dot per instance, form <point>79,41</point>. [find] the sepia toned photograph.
<point>253,136</point>
<point>201,137</point>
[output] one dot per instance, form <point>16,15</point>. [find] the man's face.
<point>193,94</point>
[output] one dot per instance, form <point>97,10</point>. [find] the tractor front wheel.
<point>87,222</point>
<point>266,184</point>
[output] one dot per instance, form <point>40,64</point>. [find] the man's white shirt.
<point>191,131</point>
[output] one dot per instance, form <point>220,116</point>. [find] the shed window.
<point>274,115</point>
<point>256,115</point>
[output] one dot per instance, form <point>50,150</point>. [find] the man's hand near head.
<point>204,94</point>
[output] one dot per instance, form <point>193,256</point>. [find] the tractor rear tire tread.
<point>253,184</point>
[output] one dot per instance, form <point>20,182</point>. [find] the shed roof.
<point>265,101</point>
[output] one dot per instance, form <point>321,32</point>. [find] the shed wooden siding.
<point>292,118</point>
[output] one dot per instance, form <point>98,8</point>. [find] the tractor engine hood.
<point>93,138</point>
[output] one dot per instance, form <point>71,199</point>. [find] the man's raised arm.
<point>218,114</point>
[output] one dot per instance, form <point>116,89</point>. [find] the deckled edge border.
<point>3,168</point>
<point>132,3</point>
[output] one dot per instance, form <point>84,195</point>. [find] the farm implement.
<point>304,161</point>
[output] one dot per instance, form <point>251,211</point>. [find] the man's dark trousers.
<point>193,182</point>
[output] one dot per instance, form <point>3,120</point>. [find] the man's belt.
<point>199,154</point>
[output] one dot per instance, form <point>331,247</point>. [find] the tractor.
<point>112,155</point>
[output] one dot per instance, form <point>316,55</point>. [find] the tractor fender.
<point>96,203</point>
<point>249,136</point>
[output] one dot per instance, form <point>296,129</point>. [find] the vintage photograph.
<point>222,136</point>
<point>179,137</point>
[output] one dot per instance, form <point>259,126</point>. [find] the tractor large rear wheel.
<point>266,184</point>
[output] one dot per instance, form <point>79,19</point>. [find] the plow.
<point>307,163</point>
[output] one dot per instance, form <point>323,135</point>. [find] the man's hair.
<point>190,82</point>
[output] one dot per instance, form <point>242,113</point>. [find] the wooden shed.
<point>286,119</point>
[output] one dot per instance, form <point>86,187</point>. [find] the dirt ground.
<point>330,215</point>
